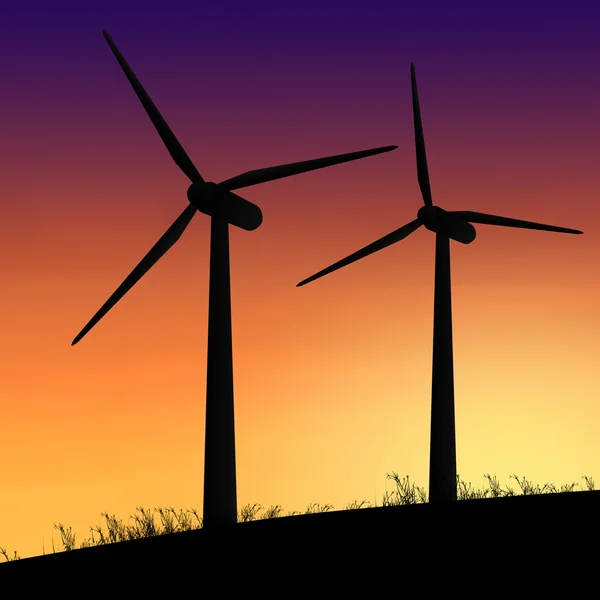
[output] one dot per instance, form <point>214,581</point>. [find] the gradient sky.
<point>332,380</point>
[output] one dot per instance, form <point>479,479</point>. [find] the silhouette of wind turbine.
<point>454,225</point>
<point>224,207</point>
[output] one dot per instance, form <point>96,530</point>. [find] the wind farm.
<point>442,508</point>
<point>336,384</point>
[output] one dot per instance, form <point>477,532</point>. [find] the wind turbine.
<point>224,207</point>
<point>455,225</point>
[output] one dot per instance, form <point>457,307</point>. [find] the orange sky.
<point>332,380</point>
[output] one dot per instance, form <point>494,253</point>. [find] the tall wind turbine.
<point>224,207</point>
<point>455,225</point>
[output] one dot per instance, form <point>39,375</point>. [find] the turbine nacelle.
<point>215,201</point>
<point>438,220</point>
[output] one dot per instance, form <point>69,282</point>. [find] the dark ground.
<point>378,544</point>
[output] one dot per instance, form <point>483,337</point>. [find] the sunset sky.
<point>332,380</point>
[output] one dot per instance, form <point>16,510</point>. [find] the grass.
<point>146,523</point>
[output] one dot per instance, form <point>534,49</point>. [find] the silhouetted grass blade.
<point>182,160</point>
<point>271,173</point>
<point>384,242</point>
<point>158,250</point>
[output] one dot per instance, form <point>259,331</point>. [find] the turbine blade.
<point>484,219</point>
<point>380,244</point>
<point>182,160</point>
<point>271,173</point>
<point>422,171</point>
<point>158,250</point>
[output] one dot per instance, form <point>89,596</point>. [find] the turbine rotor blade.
<point>271,173</point>
<point>158,250</point>
<point>422,171</point>
<point>485,219</point>
<point>182,160</point>
<point>380,244</point>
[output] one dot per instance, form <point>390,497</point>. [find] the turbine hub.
<point>438,220</point>
<point>201,195</point>
<point>428,216</point>
<point>215,201</point>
